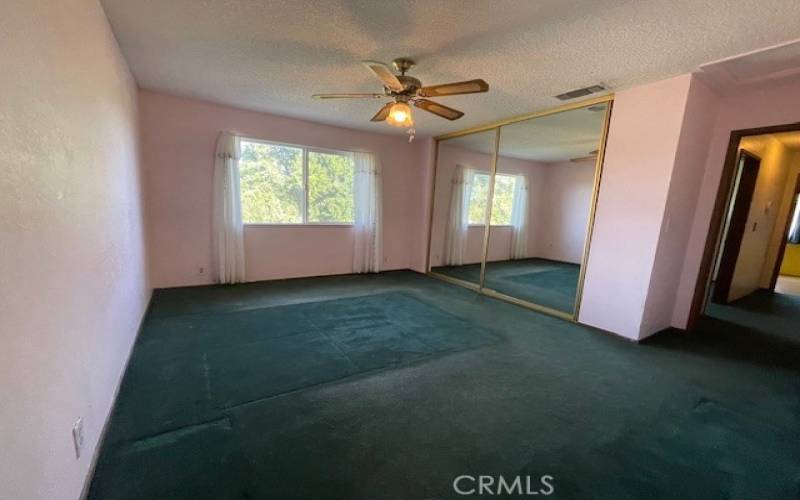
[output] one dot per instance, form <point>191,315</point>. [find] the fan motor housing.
<point>410,85</point>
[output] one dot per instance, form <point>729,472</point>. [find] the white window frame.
<point>304,162</point>
<point>488,174</point>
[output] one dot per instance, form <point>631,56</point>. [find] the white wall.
<point>72,262</point>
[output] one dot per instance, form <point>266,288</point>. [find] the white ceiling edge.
<point>751,69</point>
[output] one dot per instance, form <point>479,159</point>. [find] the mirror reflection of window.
<point>543,192</point>
<point>504,192</point>
<point>794,229</point>
<point>461,194</point>
<point>512,206</point>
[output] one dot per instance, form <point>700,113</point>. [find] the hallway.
<point>772,315</point>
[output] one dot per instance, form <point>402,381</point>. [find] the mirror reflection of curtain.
<point>519,219</point>
<point>458,221</point>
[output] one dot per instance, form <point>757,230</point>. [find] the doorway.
<point>786,272</point>
<point>750,251</point>
<point>735,225</point>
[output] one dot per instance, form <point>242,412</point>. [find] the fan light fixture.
<point>406,91</point>
<point>400,115</point>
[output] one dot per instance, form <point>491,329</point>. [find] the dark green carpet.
<point>545,282</point>
<point>712,415</point>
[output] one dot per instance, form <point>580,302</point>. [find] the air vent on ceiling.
<point>572,94</point>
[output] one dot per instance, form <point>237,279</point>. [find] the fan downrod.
<point>403,64</point>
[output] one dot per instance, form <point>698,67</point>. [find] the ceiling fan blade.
<point>382,113</point>
<point>348,96</point>
<point>385,74</point>
<point>591,156</point>
<point>455,88</point>
<point>438,109</point>
<point>583,158</point>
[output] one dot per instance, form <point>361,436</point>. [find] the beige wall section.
<point>767,197</point>
<point>73,287</point>
<point>779,230</point>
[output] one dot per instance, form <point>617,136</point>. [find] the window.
<point>503,199</point>
<point>282,184</point>
<point>330,187</point>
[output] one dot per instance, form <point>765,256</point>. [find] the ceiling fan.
<point>591,156</point>
<point>405,90</point>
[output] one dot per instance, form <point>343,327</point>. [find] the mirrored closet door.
<point>461,205</point>
<point>523,206</point>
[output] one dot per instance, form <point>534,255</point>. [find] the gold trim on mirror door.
<point>598,174</point>
<point>538,114</point>
<point>487,215</point>
<point>432,201</point>
<point>528,305</point>
<point>455,281</point>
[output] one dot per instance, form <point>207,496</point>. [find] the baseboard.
<point>87,481</point>
<point>662,333</point>
<point>313,276</point>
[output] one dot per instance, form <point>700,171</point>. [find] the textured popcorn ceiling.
<point>272,55</point>
<point>552,138</point>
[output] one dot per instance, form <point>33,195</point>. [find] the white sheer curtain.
<point>519,219</point>
<point>367,198</point>
<point>228,228</point>
<point>458,221</point>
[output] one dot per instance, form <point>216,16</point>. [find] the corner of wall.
<point>420,223</point>
<point>685,179</point>
<point>643,139</point>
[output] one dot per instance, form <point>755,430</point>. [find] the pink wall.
<point>684,187</point>
<point>643,139</point>
<point>73,286</point>
<point>564,206</point>
<point>178,138</point>
<point>769,104</point>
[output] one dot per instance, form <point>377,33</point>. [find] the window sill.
<point>492,225</point>
<point>318,224</point>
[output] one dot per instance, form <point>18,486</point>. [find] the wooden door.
<point>737,224</point>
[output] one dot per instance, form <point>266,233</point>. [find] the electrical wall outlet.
<point>77,437</point>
